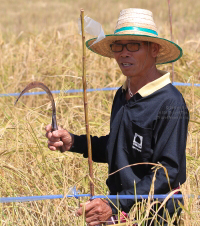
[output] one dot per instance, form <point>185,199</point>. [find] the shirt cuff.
<point>79,145</point>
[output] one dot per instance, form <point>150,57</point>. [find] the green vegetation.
<point>39,40</point>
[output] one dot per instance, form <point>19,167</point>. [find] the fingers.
<point>93,223</point>
<point>85,203</point>
<point>55,145</point>
<point>96,211</point>
<point>89,205</point>
<point>48,128</point>
<point>54,138</point>
<point>79,212</point>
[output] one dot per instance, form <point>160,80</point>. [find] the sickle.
<point>46,89</point>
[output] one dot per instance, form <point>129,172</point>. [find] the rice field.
<point>39,41</point>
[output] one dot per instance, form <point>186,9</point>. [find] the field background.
<point>39,40</point>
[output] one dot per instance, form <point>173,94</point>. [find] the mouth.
<point>126,64</point>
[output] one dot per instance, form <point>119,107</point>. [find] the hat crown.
<point>136,21</point>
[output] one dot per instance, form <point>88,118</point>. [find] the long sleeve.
<point>98,147</point>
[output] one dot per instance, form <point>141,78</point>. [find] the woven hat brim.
<point>169,51</point>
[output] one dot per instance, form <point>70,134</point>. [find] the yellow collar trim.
<point>153,86</point>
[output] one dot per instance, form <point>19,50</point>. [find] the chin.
<point>127,74</point>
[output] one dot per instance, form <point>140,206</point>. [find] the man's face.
<point>134,63</point>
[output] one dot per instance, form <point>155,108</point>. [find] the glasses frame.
<point>139,44</point>
<point>125,45</point>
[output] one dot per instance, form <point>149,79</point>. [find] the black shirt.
<point>152,129</point>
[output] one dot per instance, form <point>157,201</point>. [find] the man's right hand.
<point>54,142</point>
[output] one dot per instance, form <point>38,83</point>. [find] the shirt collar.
<point>153,86</point>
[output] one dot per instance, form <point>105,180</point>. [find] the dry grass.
<point>39,41</point>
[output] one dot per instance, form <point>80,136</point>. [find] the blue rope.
<point>80,90</point>
<point>45,197</point>
<point>184,84</point>
<point>58,91</point>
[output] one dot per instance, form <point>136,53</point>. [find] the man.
<point>149,117</point>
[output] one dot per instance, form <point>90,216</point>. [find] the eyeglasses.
<point>118,47</point>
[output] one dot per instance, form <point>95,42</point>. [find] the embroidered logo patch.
<point>137,142</point>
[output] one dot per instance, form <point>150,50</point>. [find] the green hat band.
<point>133,28</point>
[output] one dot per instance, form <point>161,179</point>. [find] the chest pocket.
<point>139,143</point>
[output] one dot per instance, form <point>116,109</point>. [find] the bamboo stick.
<point>86,105</point>
<point>170,21</point>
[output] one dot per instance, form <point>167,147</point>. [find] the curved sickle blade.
<point>47,90</point>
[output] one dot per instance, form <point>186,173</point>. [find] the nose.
<point>125,52</point>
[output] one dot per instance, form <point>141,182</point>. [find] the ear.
<point>154,49</point>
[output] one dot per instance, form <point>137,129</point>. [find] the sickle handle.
<point>54,128</point>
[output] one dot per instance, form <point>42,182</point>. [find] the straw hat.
<point>137,24</point>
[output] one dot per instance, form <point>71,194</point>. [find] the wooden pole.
<point>170,21</point>
<point>86,105</point>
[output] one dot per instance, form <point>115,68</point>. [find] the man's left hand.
<point>97,211</point>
